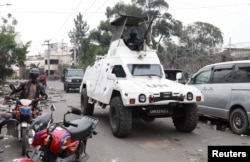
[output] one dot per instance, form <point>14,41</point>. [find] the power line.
<point>92,4</point>
<point>48,59</point>
<point>68,18</point>
<point>207,7</point>
<point>97,9</point>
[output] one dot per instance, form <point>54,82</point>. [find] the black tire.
<point>24,141</point>
<point>64,87</point>
<point>67,89</point>
<point>189,120</point>
<point>239,121</point>
<point>86,108</point>
<point>120,118</point>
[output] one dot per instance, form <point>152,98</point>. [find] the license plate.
<point>159,111</point>
<point>24,124</point>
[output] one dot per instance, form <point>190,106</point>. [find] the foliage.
<point>11,53</point>
<point>78,33</point>
<point>201,38</point>
<point>196,40</point>
<point>91,50</point>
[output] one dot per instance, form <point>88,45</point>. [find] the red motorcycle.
<point>23,113</point>
<point>60,141</point>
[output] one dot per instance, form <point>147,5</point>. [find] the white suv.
<point>132,84</point>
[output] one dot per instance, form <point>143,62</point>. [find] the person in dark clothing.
<point>134,43</point>
<point>43,79</point>
<point>31,89</point>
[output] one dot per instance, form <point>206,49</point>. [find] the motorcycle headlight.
<point>31,135</point>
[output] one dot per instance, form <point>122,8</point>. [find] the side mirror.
<point>75,111</point>
<point>12,87</point>
<point>111,77</point>
<point>179,76</point>
<point>53,107</point>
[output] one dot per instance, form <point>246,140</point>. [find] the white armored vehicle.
<point>130,81</point>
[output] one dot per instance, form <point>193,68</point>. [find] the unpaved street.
<point>148,142</point>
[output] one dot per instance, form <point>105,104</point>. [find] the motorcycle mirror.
<point>75,110</point>
<point>53,107</point>
<point>12,87</point>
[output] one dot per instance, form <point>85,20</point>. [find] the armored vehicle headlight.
<point>142,98</point>
<point>190,96</point>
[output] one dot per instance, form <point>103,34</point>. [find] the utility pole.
<point>62,48</point>
<point>74,50</point>
<point>48,60</point>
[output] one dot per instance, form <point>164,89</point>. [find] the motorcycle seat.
<point>82,131</point>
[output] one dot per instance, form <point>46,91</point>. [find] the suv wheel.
<point>67,89</point>
<point>238,121</point>
<point>188,121</point>
<point>86,108</point>
<point>120,118</point>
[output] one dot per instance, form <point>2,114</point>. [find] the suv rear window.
<point>242,74</point>
<point>71,73</point>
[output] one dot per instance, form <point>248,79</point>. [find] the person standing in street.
<point>43,80</point>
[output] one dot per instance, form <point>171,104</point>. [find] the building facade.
<point>59,56</point>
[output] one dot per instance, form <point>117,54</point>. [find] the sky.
<point>42,20</point>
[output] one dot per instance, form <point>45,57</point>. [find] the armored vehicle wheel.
<point>86,108</point>
<point>239,122</point>
<point>188,120</point>
<point>120,118</point>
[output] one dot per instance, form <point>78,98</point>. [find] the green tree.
<point>77,34</point>
<point>201,38</point>
<point>11,52</point>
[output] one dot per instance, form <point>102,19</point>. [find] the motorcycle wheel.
<point>24,140</point>
<point>80,153</point>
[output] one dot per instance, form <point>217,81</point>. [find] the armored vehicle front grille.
<point>169,96</point>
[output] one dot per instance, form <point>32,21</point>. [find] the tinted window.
<point>203,77</point>
<point>145,69</point>
<point>75,73</point>
<point>171,74</point>
<point>222,75</point>
<point>118,71</point>
<point>242,74</point>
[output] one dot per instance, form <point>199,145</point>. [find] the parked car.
<point>171,74</point>
<point>72,79</point>
<point>226,90</point>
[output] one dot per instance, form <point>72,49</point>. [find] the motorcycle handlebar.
<point>16,98</point>
<point>74,125</point>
